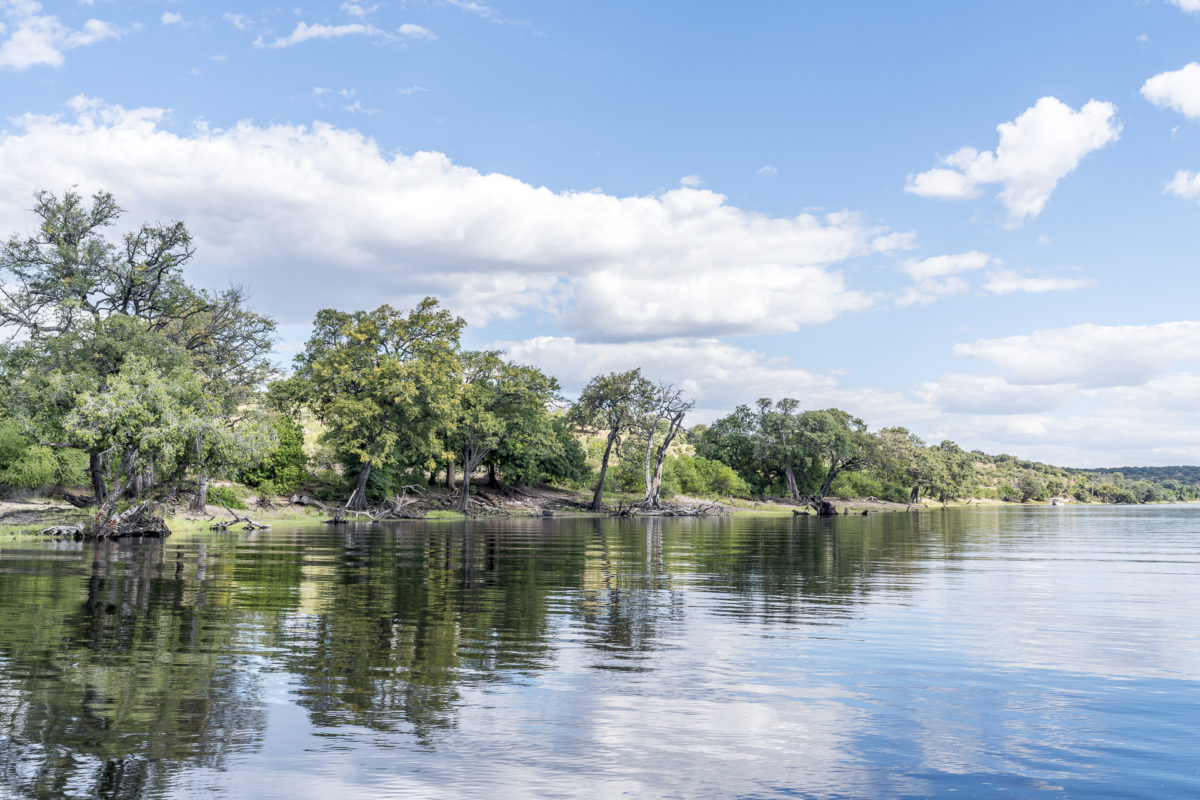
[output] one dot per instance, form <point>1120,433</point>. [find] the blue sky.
<point>975,220</point>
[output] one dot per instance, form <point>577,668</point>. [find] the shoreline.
<point>32,515</point>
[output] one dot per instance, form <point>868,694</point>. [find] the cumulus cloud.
<point>1185,184</point>
<point>937,277</point>
<point>239,21</point>
<point>171,18</point>
<point>1036,150</point>
<point>766,171</point>
<point>38,39</point>
<point>992,394</point>
<point>1190,6</point>
<point>351,225</point>
<point>416,31</point>
<point>358,9</point>
<point>1090,355</point>
<point>939,266</point>
<point>1007,281</point>
<point>719,375</point>
<point>305,32</point>
<point>1178,90</point>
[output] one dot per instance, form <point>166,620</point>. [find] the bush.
<point>284,469</point>
<point>702,477</point>
<point>227,495</point>
<point>24,465</point>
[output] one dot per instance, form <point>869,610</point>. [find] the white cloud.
<point>1090,355</point>
<point>416,31</point>
<point>719,375</point>
<point>992,394</point>
<point>1185,184</point>
<point>239,21</point>
<point>937,277</point>
<point>475,8</point>
<point>305,32</point>
<point>938,266</point>
<point>411,90</point>
<point>171,18</point>
<point>766,171</point>
<point>354,226</point>
<point>37,39</point>
<point>1178,90</point>
<point>1006,281</point>
<point>358,10</point>
<point>928,290</point>
<point>1036,150</point>
<point>692,181</point>
<point>1190,6</point>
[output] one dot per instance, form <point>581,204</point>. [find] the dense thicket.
<point>122,377</point>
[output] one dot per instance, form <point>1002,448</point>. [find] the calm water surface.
<point>991,653</point>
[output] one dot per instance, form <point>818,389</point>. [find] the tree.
<point>612,404</point>
<point>140,417</point>
<point>731,441</point>
<point>661,423</point>
<point>384,384</point>
<point>83,305</point>
<point>835,441</point>
<point>284,466</point>
<point>498,400</point>
<point>778,439</point>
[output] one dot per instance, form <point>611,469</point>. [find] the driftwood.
<point>644,509</point>
<point>397,508</point>
<point>250,524</point>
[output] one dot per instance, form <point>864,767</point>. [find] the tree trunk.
<point>493,481</point>
<point>99,490</point>
<point>200,501</point>
<point>358,498</point>
<point>450,475</point>
<point>654,486</point>
<point>833,473</point>
<point>464,494</point>
<point>915,494</point>
<point>791,483</point>
<point>651,494</point>
<point>598,497</point>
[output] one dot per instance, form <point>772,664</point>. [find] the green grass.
<point>445,513</point>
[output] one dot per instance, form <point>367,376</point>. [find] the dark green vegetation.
<point>129,385</point>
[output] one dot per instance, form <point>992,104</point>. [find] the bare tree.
<point>659,427</point>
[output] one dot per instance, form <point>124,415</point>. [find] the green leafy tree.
<point>385,385</point>
<point>283,468</point>
<point>835,442</point>
<point>498,399</point>
<point>779,440</point>
<point>731,441</point>
<point>85,305</point>
<point>612,404</point>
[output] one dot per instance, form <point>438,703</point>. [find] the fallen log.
<point>250,524</point>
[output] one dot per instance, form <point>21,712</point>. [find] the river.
<point>999,652</point>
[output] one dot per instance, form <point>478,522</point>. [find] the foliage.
<point>24,465</point>
<point>612,404</point>
<point>226,495</point>
<point>384,384</point>
<point>284,467</point>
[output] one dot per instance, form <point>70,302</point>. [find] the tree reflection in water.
<point>125,664</point>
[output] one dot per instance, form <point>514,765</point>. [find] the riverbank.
<point>438,503</point>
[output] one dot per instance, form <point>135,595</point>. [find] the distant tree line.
<point>124,381</point>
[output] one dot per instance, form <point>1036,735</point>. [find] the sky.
<point>976,220</point>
